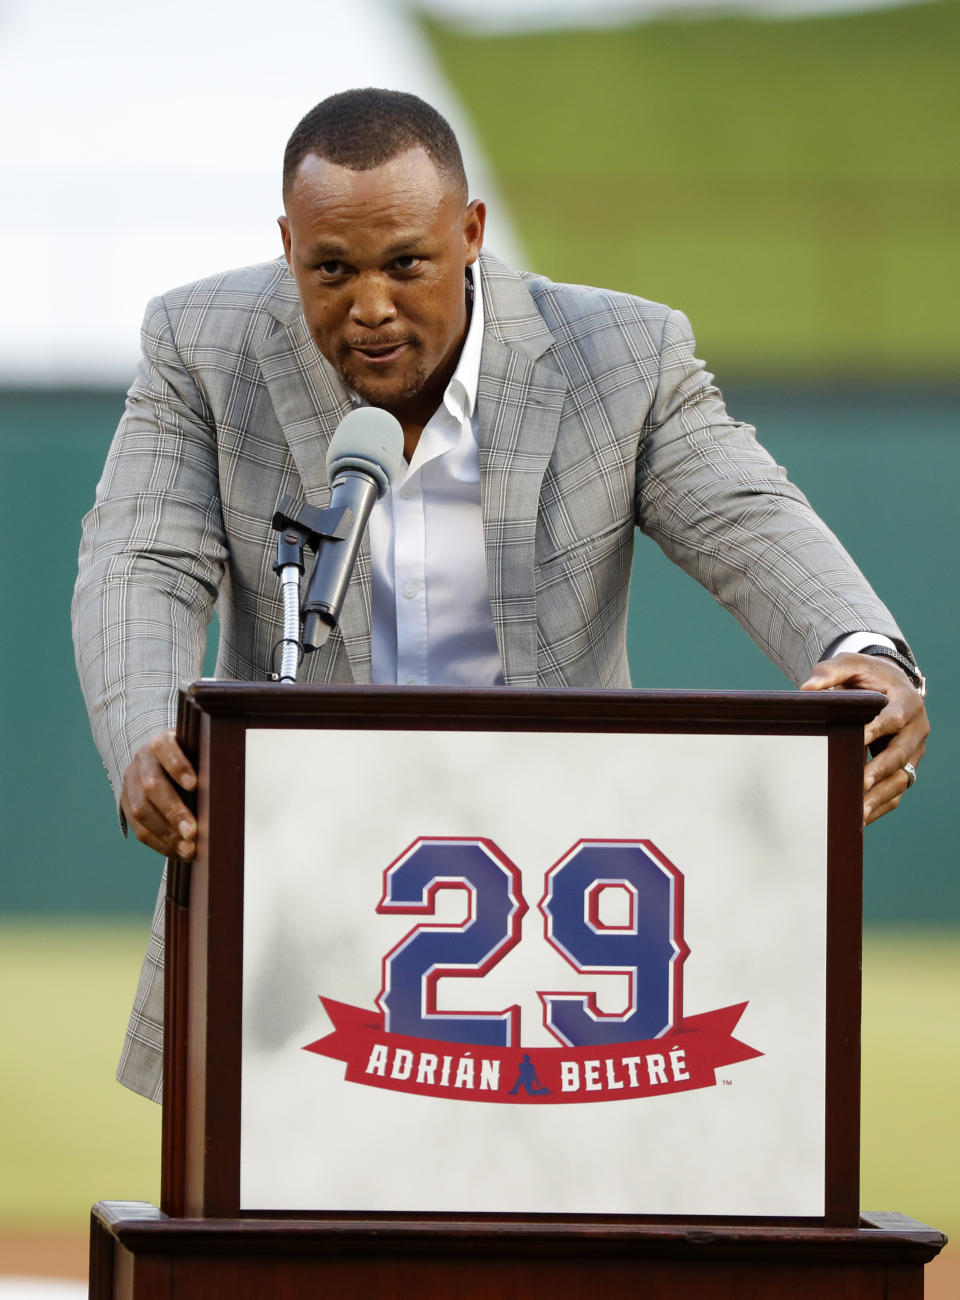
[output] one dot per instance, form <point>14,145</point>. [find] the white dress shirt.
<point>854,642</point>
<point>430,618</point>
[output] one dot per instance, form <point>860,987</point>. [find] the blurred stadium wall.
<point>790,184</point>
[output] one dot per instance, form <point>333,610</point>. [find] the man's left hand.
<point>903,719</point>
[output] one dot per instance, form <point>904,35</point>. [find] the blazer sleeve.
<point>152,555</point>
<point>723,509</point>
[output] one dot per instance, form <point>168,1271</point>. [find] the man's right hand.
<point>151,801</point>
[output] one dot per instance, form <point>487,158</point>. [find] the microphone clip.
<point>312,526</point>
<point>299,525</point>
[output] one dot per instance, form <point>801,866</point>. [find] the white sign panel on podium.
<point>535,973</point>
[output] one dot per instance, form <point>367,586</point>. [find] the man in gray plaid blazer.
<point>590,416</point>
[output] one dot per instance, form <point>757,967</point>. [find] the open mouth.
<point>379,354</point>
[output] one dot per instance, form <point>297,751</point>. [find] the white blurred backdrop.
<point>142,149</point>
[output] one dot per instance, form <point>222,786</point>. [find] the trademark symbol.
<point>727,1083</point>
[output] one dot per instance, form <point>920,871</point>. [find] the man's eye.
<point>408,262</point>
<point>331,268</point>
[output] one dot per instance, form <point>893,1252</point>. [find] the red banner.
<point>684,1059</point>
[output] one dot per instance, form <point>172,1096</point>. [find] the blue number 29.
<point>647,947</point>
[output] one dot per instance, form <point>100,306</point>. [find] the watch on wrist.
<point>908,666</point>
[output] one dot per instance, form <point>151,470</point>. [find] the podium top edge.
<point>894,1238</point>
<point>265,704</point>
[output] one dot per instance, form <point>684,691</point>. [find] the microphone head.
<point>370,440</point>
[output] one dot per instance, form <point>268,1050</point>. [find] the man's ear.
<point>284,225</point>
<point>475,219</point>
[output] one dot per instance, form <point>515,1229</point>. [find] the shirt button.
<point>410,590</point>
<point>406,493</point>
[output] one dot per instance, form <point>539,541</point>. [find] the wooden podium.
<point>682,1034</point>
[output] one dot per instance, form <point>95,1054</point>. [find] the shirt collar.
<point>462,388</point>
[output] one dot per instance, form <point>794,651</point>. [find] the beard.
<point>390,390</point>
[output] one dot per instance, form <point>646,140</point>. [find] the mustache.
<point>379,341</point>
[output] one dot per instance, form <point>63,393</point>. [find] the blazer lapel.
<point>310,400</point>
<point>519,401</point>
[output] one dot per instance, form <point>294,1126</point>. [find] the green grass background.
<point>69,1136</point>
<point>793,185</point>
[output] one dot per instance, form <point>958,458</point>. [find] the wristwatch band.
<point>908,666</point>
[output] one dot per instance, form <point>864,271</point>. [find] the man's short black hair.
<point>361,129</point>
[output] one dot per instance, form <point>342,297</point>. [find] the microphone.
<point>363,460</point>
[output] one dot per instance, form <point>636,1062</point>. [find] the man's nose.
<point>373,304</point>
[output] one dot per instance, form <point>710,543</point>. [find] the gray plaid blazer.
<point>594,417</point>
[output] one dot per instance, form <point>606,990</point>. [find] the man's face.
<point>379,259</point>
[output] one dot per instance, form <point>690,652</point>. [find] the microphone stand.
<point>298,525</point>
<point>289,567</point>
